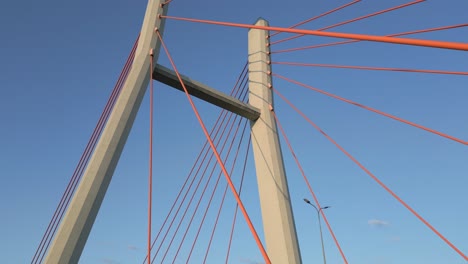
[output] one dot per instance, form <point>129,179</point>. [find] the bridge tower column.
<point>278,221</point>
<point>74,229</point>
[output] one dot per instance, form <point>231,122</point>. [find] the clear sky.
<point>60,60</point>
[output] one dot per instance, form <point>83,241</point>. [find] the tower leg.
<point>74,229</point>
<point>278,221</point>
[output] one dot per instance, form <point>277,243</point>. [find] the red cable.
<point>205,169</point>
<point>87,154</point>
<point>178,195</point>
<point>373,38</point>
<point>198,185</point>
<point>196,188</point>
<point>314,46</point>
<point>319,16</point>
<point>211,197</point>
<point>182,188</point>
<point>309,186</point>
<point>63,204</point>
<point>193,245</point>
<point>224,197</point>
<point>375,178</point>
<point>209,179</point>
<point>193,194</point>
<point>427,30</point>
<point>216,185</point>
<point>215,136</point>
<point>218,158</point>
<point>244,91</point>
<point>354,41</point>
<point>374,110</point>
<point>374,14</point>
<point>369,68</point>
<point>150,173</point>
<point>237,207</point>
<point>223,112</point>
<point>240,79</point>
<point>352,20</point>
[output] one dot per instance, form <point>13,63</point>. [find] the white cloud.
<point>378,223</point>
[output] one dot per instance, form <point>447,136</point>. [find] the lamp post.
<point>320,225</point>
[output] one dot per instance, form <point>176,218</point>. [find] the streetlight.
<point>320,225</point>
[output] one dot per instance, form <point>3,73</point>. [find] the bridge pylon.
<point>278,221</point>
<point>76,225</point>
<point>277,216</point>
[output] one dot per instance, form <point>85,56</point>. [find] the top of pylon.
<point>261,20</point>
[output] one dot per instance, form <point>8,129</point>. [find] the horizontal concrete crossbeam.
<point>206,93</point>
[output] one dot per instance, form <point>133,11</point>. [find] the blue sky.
<point>61,60</point>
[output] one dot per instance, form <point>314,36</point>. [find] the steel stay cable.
<point>185,212</point>
<point>370,174</point>
<point>368,68</point>
<point>217,182</point>
<point>88,151</point>
<point>427,30</point>
<point>215,137</point>
<point>288,143</point>
<point>212,193</point>
<point>81,167</point>
<point>372,38</point>
<point>237,207</point>
<point>224,195</point>
<point>150,172</point>
<point>204,172</point>
<point>89,146</point>
<point>182,188</point>
<point>373,110</point>
<point>218,158</point>
<point>198,184</point>
<point>319,16</point>
<point>64,201</point>
<point>206,185</point>
<point>209,162</point>
<point>178,196</point>
<point>352,20</point>
<point>183,200</point>
<point>354,41</point>
<point>223,112</point>
<point>225,191</point>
